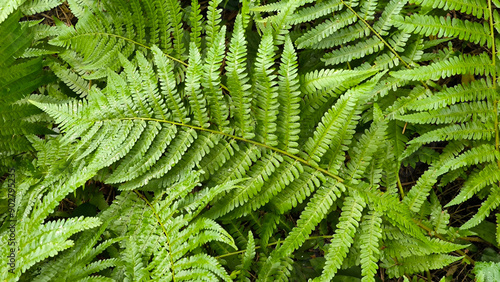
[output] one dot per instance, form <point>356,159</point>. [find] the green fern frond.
<point>453,114</point>
<point>219,109</point>
<point>371,232</point>
<point>316,208</point>
<point>213,22</point>
<point>174,16</point>
<point>325,29</point>
<point>298,190</point>
<point>258,174</point>
<point>478,154</point>
<point>38,6</point>
<point>391,10</point>
<point>463,64</point>
<point>478,180</point>
<point>343,35</point>
<point>196,23</point>
<point>474,130</point>
<point>198,120</point>
<point>331,123</point>
<point>343,238</point>
<point>327,79</point>
<point>411,265</point>
<point>73,80</point>
<point>247,259</point>
<point>237,81</point>
<point>168,87</point>
<point>284,175</point>
<point>476,90</point>
<point>477,8</point>
<point>447,27</point>
<point>363,151</point>
<point>352,52</point>
<point>265,92</point>
<point>82,253</point>
<point>196,98</point>
<point>317,11</point>
<point>399,245</point>
<point>417,195</point>
<point>288,98</point>
<point>439,218</point>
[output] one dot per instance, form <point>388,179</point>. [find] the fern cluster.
<point>215,130</point>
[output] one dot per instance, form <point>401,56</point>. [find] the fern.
<point>205,130</point>
<point>464,30</point>
<point>474,65</point>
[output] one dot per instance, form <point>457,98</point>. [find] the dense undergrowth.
<point>281,141</point>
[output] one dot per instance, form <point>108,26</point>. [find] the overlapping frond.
<point>346,228</point>
<point>463,64</point>
<point>445,27</point>
<point>18,78</point>
<point>197,121</point>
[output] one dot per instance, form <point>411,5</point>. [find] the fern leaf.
<point>315,211</point>
<point>265,92</point>
<point>421,190</point>
<point>478,89</point>
<point>298,190</point>
<point>332,122</point>
<point>217,157</point>
<point>174,15</point>
<point>477,8</point>
<point>73,80</point>
<point>479,154</point>
<point>330,79</point>
<point>317,11</point>
<point>453,114</point>
<point>196,23</point>
<point>469,131</point>
<point>385,22</point>
<point>477,181</point>
<point>168,89</point>
<point>237,81</point>
<point>325,29</point>
<point>287,172</point>
<point>486,271</point>
<point>51,238</point>
<point>219,110</point>
<point>352,52</point>
<point>213,20</point>
<point>447,27</point>
<point>343,238</point>
<point>371,232</point>
<point>177,148</point>
<point>289,98</point>
<point>193,88</point>
<point>247,258</point>
<point>411,265</point>
<point>149,85</point>
<point>343,35</point>
<point>258,174</point>
<point>463,64</point>
<point>362,153</point>
<point>440,220</point>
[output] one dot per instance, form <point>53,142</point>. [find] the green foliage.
<point>289,139</point>
<point>487,271</point>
